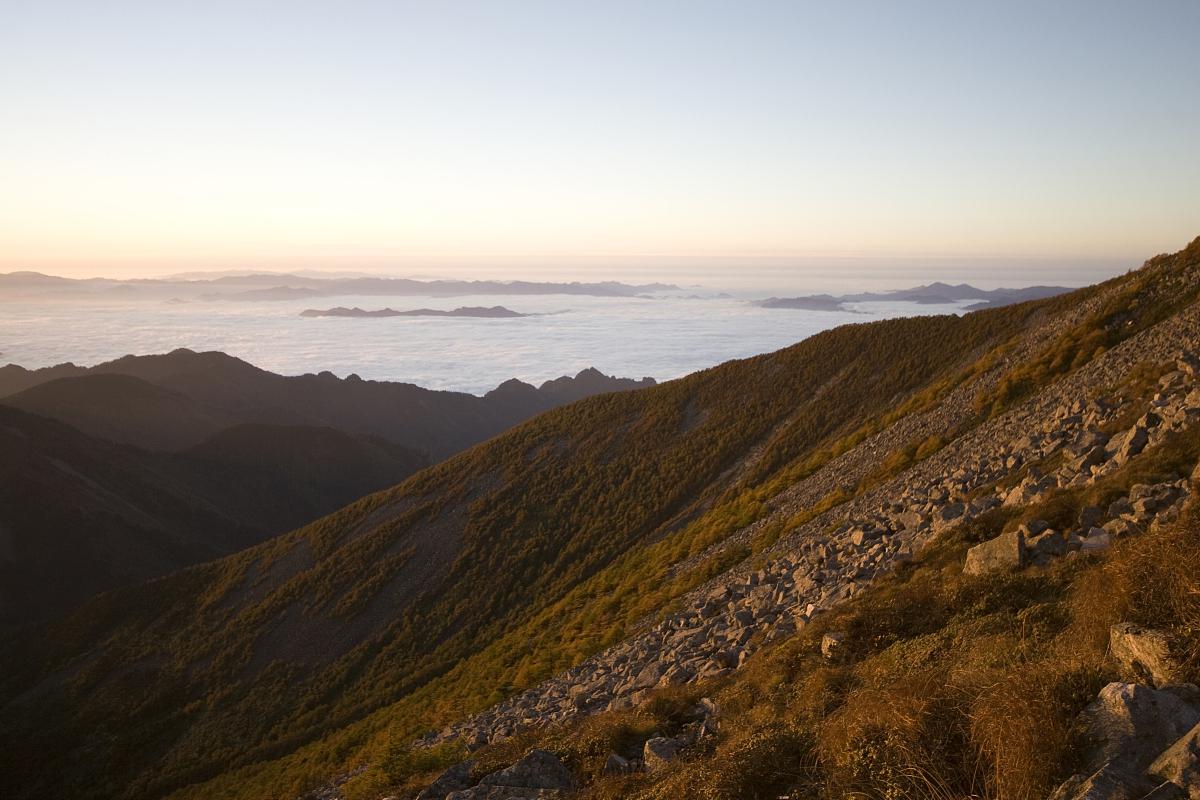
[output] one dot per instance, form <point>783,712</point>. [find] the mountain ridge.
<point>216,390</point>
<point>575,532</point>
<point>936,293</point>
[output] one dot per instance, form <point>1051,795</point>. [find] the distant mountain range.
<point>931,294</point>
<point>274,286</point>
<point>494,312</point>
<point>177,400</point>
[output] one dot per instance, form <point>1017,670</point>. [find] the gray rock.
<point>1131,444</point>
<point>1096,541</point>
<point>456,777</point>
<point>1049,543</point>
<point>948,514</point>
<point>1033,527</point>
<point>541,769</point>
<point>1126,728</point>
<point>1143,653</point>
<point>1006,551</point>
<point>649,676</point>
<point>482,792</point>
<point>1180,764</point>
<point>616,765</point>
<point>660,750</point>
<point>1090,516</point>
<point>831,644</point>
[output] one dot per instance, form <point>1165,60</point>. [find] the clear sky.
<point>575,137</point>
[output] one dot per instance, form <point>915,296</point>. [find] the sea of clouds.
<point>663,337</point>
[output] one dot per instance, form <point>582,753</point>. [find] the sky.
<point>589,139</point>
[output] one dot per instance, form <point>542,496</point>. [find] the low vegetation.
<point>263,674</point>
<point>949,686</point>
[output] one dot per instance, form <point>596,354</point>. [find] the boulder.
<point>1125,729</point>
<point>1180,764</point>
<point>1096,541</point>
<point>1084,463</point>
<point>1130,444</point>
<point>948,514</point>
<point>861,536</point>
<point>657,752</point>
<point>541,769</point>
<point>831,644</point>
<point>1090,516</point>
<point>1048,544</point>
<point>616,765</point>
<point>1033,527</point>
<point>1143,653</point>
<point>1006,551</point>
<point>482,792</point>
<point>454,778</point>
<point>649,676</point>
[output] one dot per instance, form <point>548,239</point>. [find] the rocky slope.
<point>616,549</point>
<point>836,554</point>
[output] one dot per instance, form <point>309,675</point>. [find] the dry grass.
<point>951,687</point>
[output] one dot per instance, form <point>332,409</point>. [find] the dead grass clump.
<point>905,740</point>
<point>1153,580</point>
<point>758,764</point>
<point>1022,725</point>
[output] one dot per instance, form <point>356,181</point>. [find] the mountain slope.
<point>80,515</point>
<point>366,606</point>
<point>122,408</point>
<point>263,673</point>
<point>201,393</point>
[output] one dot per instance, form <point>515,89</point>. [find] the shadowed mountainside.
<point>182,397</point>
<point>80,515</point>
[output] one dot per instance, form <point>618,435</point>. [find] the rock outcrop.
<point>1138,738</point>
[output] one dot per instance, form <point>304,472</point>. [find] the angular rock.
<point>454,778</point>
<point>1048,543</point>
<point>1006,551</point>
<point>1096,541</point>
<point>1126,728</point>
<point>948,514</point>
<point>1033,527</point>
<point>1090,516</point>
<point>649,676</point>
<point>540,769</point>
<point>660,750</point>
<point>482,792</point>
<point>1143,653</point>
<point>831,644</point>
<point>616,765</point>
<point>1180,764</point>
<point>1131,444</point>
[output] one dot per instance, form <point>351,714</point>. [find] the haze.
<point>595,140</point>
